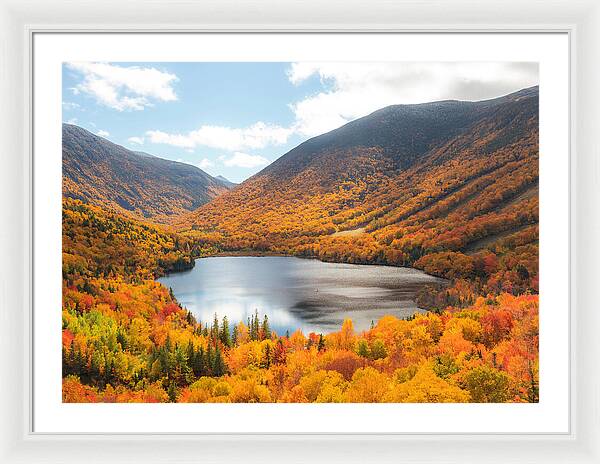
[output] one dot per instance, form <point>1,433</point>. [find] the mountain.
<point>419,185</point>
<point>226,181</point>
<point>101,172</point>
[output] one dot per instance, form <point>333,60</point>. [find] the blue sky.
<point>234,119</point>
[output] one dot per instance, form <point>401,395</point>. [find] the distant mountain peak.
<point>225,180</point>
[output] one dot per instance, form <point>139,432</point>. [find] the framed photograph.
<point>236,233</point>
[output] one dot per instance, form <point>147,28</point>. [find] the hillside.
<point>449,187</point>
<point>101,172</point>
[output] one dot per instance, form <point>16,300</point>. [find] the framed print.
<point>359,236</point>
<point>386,264</point>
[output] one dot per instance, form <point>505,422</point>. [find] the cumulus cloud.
<point>136,140</point>
<point>72,121</point>
<point>350,91</point>
<point>244,160</point>
<point>123,87</point>
<point>205,163</point>
<point>70,105</point>
<point>357,89</point>
<point>256,136</point>
<point>103,133</point>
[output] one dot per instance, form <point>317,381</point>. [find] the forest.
<point>126,338</point>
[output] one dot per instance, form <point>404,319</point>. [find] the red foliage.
<point>346,363</point>
<point>496,325</point>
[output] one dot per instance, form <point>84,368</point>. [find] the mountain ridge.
<point>107,174</point>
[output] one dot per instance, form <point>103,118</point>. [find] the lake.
<point>296,293</point>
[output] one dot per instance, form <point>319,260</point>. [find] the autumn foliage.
<point>484,353</point>
<point>464,208</point>
<point>126,339</point>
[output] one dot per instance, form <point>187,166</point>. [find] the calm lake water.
<point>296,293</point>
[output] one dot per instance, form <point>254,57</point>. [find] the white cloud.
<point>350,91</point>
<point>103,133</point>
<point>244,160</point>
<point>72,121</point>
<point>124,88</point>
<point>256,136</point>
<point>205,163</point>
<point>357,89</point>
<point>70,105</point>
<point>136,140</point>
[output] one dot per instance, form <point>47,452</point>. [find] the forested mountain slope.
<point>450,187</point>
<point>101,172</point>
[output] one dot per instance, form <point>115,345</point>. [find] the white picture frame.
<point>19,21</point>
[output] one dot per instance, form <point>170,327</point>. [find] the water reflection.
<point>296,293</point>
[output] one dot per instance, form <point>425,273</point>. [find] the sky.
<point>233,119</point>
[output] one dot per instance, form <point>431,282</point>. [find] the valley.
<point>448,188</point>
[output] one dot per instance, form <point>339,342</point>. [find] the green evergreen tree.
<point>218,367</point>
<point>267,362</point>
<point>225,337</point>
<point>321,345</point>
<point>209,360</point>
<point>254,326</point>
<point>266,328</point>
<point>215,330</point>
<point>181,370</point>
<point>191,356</point>
<point>234,336</point>
<point>363,349</point>
<point>172,392</point>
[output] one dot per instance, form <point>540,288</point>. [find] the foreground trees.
<point>450,357</point>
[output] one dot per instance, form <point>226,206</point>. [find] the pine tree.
<point>215,330</point>
<point>225,338</point>
<point>189,317</point>
<point>234,336</point>
<point>254,326</point>
<point>191,356</point>
<point>267,362</point>
<point>209,360</point>
<point>266,329</point>
<point>218,368</point>
<point>182,370</point>
<point>201,362</point>
<point>172,392</point>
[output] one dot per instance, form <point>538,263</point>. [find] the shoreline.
<point>264,254</point>
<point>250,253</point>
